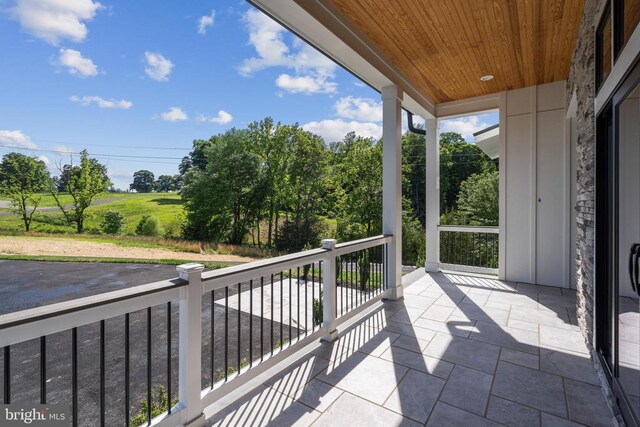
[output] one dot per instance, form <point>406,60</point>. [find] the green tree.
<point>166,183</point>
<point>83,183</point>
<point>113,222</point>
<point>143,181</point>
<point>273,144</point>
<point>358,171</point>
<point>220,199</point>
<point>478,199</point>
<point>21,179</point>
<point>458,161</point>
<point>305,180</point>
<point>414,173</point>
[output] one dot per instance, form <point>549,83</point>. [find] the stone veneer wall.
<point>581,81</point>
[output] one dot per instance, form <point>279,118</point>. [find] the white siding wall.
<point>537,186</point>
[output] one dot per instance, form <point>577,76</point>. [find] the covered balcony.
<point>317,337</point>
<point>337,335</point>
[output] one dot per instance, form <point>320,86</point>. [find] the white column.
<point>329,291</point>
<point>432,196</point>
<point>190,344</point>
<point>392,183</point>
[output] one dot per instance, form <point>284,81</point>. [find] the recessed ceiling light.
<point>486,78</point>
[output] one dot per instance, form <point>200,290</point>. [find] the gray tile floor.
<point>457,351</point>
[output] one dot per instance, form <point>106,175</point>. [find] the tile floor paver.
<point>586,404</point>
<point>366,376</point>
<point>465,352</point>
<point>520,358</point>
<point>445,415</point>
<point>458,350</point>
<point>418,361</point>
<point>467,389</point>
<point>350,410</point>
<point>530,387</point>
<point>512,414</point>
<point>416,395</point>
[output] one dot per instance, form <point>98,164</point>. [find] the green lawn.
<point>167,207</point>
<point>47,200</point>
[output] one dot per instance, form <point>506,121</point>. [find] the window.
<point>628,16</point>
<point>603,48</point>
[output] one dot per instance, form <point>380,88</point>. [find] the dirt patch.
<point>78,248</point>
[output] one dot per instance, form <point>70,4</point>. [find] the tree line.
<point>278,186</point>
<point>144,182</point>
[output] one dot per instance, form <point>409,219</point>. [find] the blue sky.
<point>145,78</point>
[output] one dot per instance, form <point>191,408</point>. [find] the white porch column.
<point>432,195</point>
<point>392,183</point>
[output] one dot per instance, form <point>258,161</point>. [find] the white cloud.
<point>174,114</point>
<point>206,21</point>
<point>15,138</point>
<point>222,118</point>
<point>121,104</point>
<point>55,20</point>
<point>44,159</point>
<point>335,130</point>
<point>465,126</point>
<point>313,70</point>
<point>305,84</point>
<point>63,149</point>
<point>76,64</point>
<point>158,67</point>
<point>363,109</point>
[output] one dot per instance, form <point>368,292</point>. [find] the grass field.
<point>47,200</point>
<point>167,207</point>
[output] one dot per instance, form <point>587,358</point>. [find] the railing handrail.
<point>276,263</point>
<point>48,311</point>
<point>189,289</point>
<point>243,272</point>
<point>360,244</point>
<point>470,228</point>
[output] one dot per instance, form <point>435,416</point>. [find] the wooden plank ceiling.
<point>445,46</point>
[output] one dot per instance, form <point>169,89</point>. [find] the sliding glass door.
<point>618,244</point>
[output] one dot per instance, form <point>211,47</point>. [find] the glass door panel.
<point>628,247</point>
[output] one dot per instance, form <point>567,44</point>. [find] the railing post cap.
<point>329,243</point>
<point>191,267</point>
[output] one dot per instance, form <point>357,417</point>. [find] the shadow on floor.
<point>457,350</point>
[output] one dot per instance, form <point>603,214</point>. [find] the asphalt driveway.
<point>31,284</point>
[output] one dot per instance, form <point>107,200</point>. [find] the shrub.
<point>159,400</point>
<point>294,236</point>
<point>175,228</point>
<point>318,316</point>
<point>413,242</point>
<point>113,222</point>
<point>364,268</point>
<point>149,226</point>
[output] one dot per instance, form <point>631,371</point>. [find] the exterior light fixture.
<point>486,78</point>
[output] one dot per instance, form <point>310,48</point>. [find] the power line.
<point>124,156</point>
<point>100,156</point>
<point>48,141</point>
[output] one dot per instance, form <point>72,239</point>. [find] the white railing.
<point>472,249</point>
<point>355,270</point>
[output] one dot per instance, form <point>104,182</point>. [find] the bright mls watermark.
<point>35,415</point>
